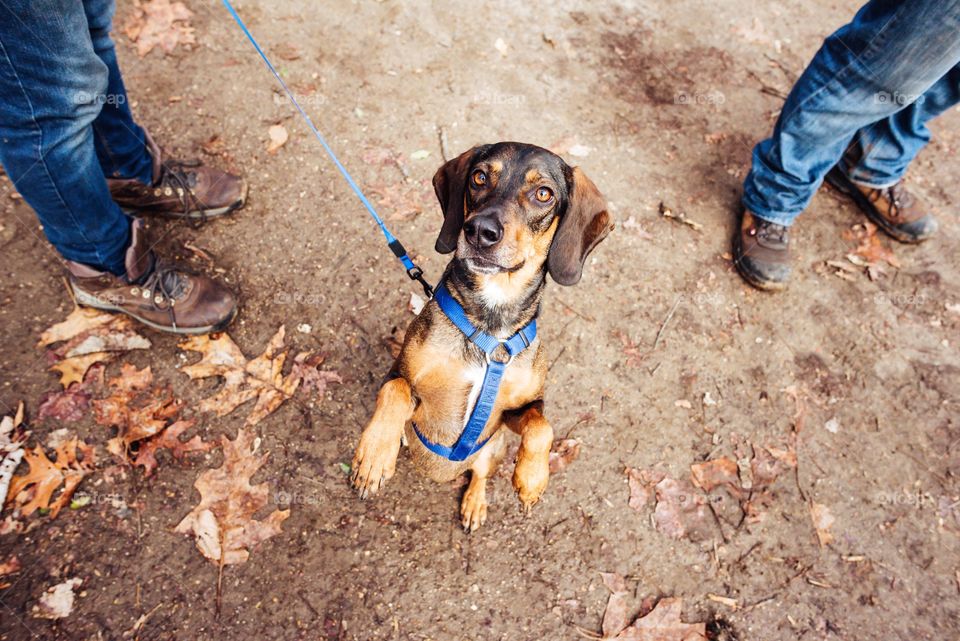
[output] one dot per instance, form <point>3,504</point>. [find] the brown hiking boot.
<point>893,209</point>
<point>160,296</point>
<point>761,252</point>
<point>180,189</point>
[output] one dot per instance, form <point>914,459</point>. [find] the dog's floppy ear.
<point>583,224</point>
<point>449,183</point>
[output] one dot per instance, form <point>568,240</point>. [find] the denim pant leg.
<point>891,47</point>
<point>118,140</point>
<point>881,153</point>
<point>50,77</point>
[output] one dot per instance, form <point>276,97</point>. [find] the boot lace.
<point>181,179</point>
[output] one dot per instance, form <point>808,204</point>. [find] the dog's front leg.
<point>376,457</point>
<point>532,470</point>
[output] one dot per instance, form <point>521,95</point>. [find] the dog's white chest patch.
<point>493,294</point>
<point>474,376</point>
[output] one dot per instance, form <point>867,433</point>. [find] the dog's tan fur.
<point>432,379</point>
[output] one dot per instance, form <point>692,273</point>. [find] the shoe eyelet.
<point>158,300</point>
<point>167,192</point>
<point>157,193</point>
<point>134,291</point>
<point>147,293</point>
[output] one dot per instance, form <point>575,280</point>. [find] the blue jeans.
<point>869,91</point>
<point>65,124</point>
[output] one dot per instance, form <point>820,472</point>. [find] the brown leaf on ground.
<point>260,378</point>
<point>630,349</point>
<point>768,463</point>
<point>222,523</point>
<point>286,51</point>
<point>664,624</point>
<point>822,522</point>
<point>642,484</point>
<point>35,489</point>
<point>616,616</point>
<point>278,138</point>
<point>86,337</point>
<point>681,511</point>
<point>169,439</point>
<point>869,245</point>
<point>717,472</point>
<point>137,411</point>
<point>306,367</point>
<point>12,437</point>
<point>563,453</point>
<point>159,23</point>
<point>10,566</point>
<point>405,200</point>
<point>71,404</point>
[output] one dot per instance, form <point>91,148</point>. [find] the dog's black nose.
<point>483,231</point>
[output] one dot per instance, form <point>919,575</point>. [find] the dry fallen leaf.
<point>71,404</point>
<point>681,511</point>
<point>870,247</point>
<point>12,437</point>
<point>159,23</point>
<point>641,484</point>
<point>278,138</point>
<point>822,522</point>
<point>563,452</point>
<point>664,624</point>
<point>222,523</point>
<point>137,411</point>
<point>86,337</point>
<point>57,602</point>
<point>616,615</point>
<point>169,439</point>
<point>35,489</point>
<point>717,472</point>
<point>260,378</point>
<point>10,566</point>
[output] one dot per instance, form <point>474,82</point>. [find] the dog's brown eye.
<point>479,178</point>
<point>544,195</point>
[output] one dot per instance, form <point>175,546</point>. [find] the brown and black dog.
<point>512,212</point>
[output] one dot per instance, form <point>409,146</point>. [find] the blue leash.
<point>467,444</point>
<point>413,271</point>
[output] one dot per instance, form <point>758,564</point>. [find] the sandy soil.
<point>668,99</point>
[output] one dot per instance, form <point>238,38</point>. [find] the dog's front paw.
<point>374,463</point>
<point>473,507</point>
<point>530,478</point>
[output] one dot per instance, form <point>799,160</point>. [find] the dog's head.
<point>511,206</point>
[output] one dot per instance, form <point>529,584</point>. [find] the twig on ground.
<point>442,136</point>
<point>679,217</point>
<point>666,320</point>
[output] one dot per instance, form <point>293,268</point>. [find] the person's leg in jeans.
<point>53,84</point>
<point>50,79</point>
<point>120,142</point>
<point>881,152</point>
<point>892,47</point>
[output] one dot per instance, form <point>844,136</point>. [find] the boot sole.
<point>89,300</point>
<point>843,185</point>
<point>197,214</point>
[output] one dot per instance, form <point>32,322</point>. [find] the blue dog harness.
<point>467,444</point>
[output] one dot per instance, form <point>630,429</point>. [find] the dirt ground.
<point>658,102</point>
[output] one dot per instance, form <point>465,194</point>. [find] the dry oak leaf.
<point>715,473</point>
<point>681,510</point>
<point>563,453</point>
<point>615,616</point>
<point>10,566</point>
<point>260,378</point>
<point>71,404</point>
<point>35,489</point>
<point>870,247</point>
<point>222,523</point>
<point>663,624</point>
<point>159,23</point>
<point>12,437</point>
<point>136,412</point>
<point>641,483</point>
<point>169,439</point>
<point>88,336</point>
